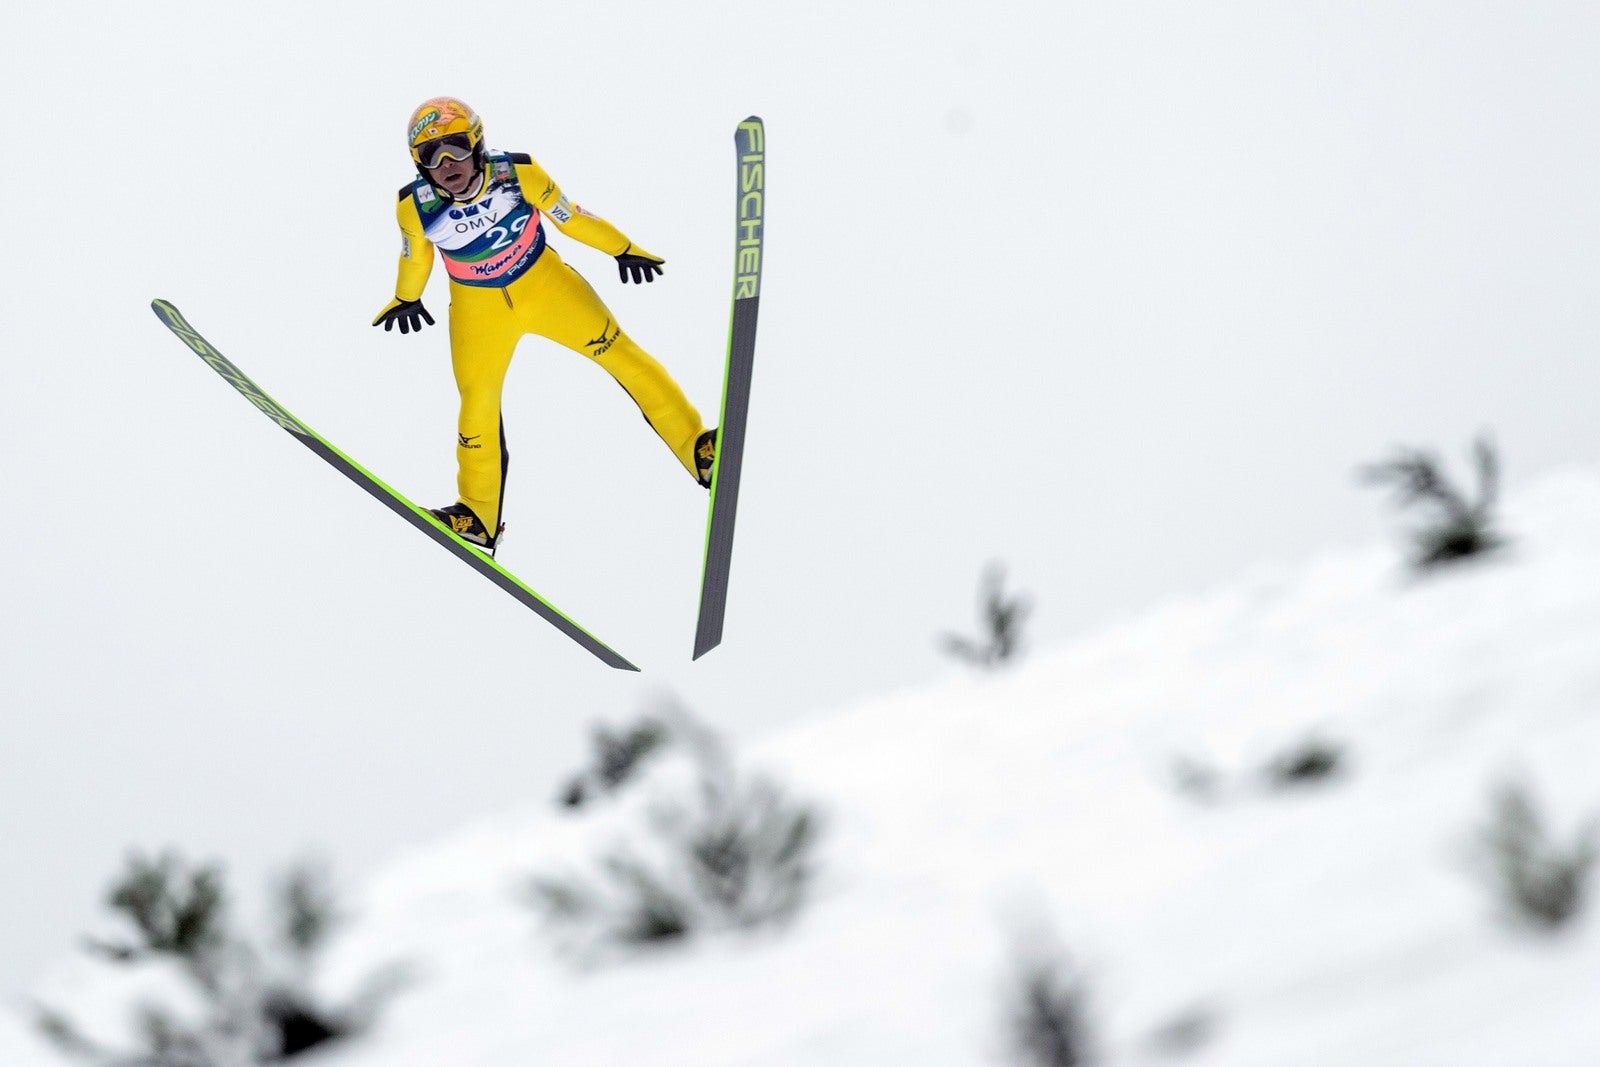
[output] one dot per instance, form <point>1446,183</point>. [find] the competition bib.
<point>491,241</point>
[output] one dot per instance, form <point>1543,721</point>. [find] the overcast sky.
<point>1119,294</point>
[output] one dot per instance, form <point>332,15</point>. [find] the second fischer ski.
<point>750,145</point>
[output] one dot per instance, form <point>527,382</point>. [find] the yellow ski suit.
<point>505,283</point>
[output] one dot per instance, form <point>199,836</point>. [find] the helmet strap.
<point>477,185</point>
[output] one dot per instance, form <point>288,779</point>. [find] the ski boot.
<point>705,456</point>
<point>465,524</point>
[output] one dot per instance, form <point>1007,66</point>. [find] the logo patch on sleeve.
<point>561,210</point>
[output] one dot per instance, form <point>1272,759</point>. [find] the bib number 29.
<point>504,235</point>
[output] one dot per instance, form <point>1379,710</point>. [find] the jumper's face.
<point>454,176</point>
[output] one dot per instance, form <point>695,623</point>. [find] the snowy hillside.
<point>1111,798</point>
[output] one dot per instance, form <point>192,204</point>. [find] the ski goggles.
<point>429,154</point>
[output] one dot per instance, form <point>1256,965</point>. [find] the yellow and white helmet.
<point>445,128</point>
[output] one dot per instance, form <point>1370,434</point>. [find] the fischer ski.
<point>750,150</point>
<point>416,516</point>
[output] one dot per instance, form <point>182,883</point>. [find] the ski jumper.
<point>505,282</point>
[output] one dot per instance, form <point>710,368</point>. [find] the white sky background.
<point>1120,295</point>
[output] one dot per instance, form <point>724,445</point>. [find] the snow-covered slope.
<point>1343,922</point>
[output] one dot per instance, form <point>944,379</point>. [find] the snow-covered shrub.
<point>617,758</point>
<point>201,996</point>
<point>1048,1016</point>
<point>173,911</point>
<point>1457,528</point>
<point>1540,883</point>
<point>1311,762</point>
<point>1000,618</point>
<point>635,908</point>
<point>163,1041</point>
<point>721,850</point>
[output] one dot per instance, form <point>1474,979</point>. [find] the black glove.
<point>641,264</point>
<point>410,314</point>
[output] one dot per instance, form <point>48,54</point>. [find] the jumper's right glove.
<point>641,264</point>
<point>408,313</point>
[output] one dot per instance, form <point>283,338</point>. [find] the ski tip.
<point>168,314</point>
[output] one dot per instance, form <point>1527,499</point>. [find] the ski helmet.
<point>445,128</point>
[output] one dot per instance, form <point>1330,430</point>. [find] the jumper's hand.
<point>641,264</point>
<point>410,314</point>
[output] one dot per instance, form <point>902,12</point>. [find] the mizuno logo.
<point>466,442</point>
<point>608,337</point>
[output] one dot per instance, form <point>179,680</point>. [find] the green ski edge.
<point>397,503</point>
<point>750,146</point>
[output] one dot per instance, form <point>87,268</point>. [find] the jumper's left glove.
<point>641,264</point>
